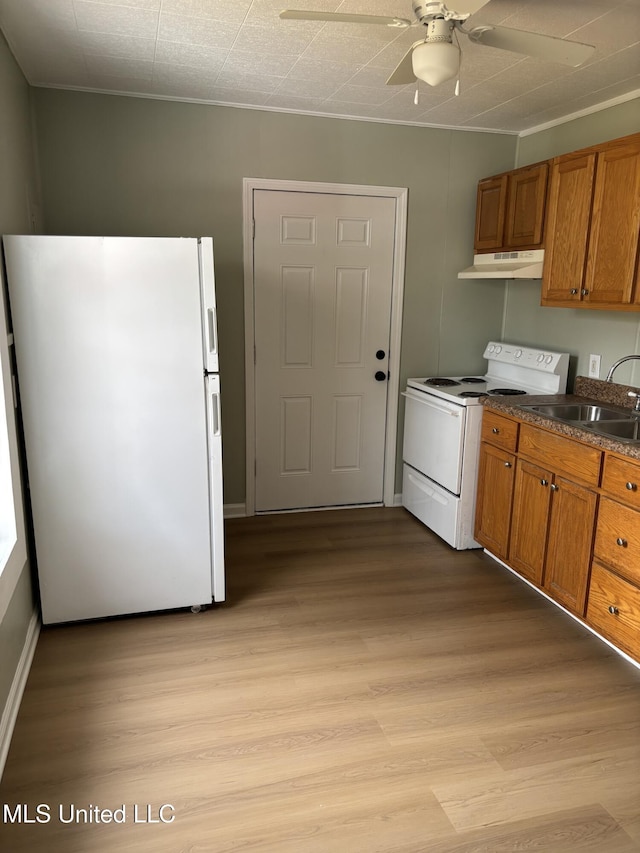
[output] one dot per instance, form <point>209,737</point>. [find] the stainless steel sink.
<point>628,430</point>
<point>580,413</point>
<point>621,424</point>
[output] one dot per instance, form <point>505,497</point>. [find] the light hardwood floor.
<point>365,689</point>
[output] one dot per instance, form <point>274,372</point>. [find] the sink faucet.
<point>636,408</point>
<point>618,363</point>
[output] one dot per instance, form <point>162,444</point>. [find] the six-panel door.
<point>323,267</point>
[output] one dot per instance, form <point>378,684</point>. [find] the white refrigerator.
<point>117,366</point>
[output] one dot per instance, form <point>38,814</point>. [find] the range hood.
<point>499,265</point>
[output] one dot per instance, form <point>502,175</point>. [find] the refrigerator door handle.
<point>208,304</point>
<point>215,412</point>
<point>212,334</point>
<point>216,499</point>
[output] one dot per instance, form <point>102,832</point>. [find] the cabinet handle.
<point>495,431</point>
<point>613,610</point>
<point>544,482</point>
<point>584,292</point>
<point>573,291</point>
<point>507,464</point>
<point>632,487</point>
<point>554,488</point>
<point>621,542</point>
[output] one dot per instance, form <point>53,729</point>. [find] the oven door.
<point>433,438</point>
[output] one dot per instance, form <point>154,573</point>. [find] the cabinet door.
<point>613,242</point>
<point>490,212</point>
<point>618,539</point>
<point>568,217</point>
<point>526,197</point>
<point>573,510</point>
<point>614,609</point>
<point>495,493</point>
<point>529,521</point>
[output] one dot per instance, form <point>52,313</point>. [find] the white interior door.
<point>323,275</point>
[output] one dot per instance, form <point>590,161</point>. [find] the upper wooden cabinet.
<point>510,210</point>
<point>490,209</point>
<point>592,230</point>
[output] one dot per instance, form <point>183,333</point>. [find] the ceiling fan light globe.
<point>435,62</point>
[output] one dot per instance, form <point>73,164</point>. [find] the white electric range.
<point>442,433</point>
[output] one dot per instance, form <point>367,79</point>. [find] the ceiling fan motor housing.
<point>439,30</point>
<point>425,12</point>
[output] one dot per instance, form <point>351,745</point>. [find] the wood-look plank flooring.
<point>365,689</point>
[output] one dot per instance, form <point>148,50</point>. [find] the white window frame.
<point>13,547</point>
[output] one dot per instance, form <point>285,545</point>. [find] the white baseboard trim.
<point>235,510</point>
<point>240,510</point>
<point>10,713</point>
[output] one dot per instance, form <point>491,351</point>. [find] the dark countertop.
<point>586,391</point>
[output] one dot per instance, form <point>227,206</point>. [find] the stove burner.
<point>506,392</point>
<point>440,381</point>
<point>472,394</point>
<point>472,380</point>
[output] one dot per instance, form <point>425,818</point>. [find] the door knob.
<point>380,354</point>
<point>380,375</point>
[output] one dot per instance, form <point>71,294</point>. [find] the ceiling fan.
<point>435,58</point>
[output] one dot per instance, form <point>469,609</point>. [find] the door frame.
<point>400,195</point>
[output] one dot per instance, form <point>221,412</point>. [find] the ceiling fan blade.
<point>553,49</point>
<point>403,72</point>
<point>343,17</point>
<point>469,7</point>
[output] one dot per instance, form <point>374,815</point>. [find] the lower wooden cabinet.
<point>551,510</point>
<point>566,574</point>
<point>551,534</point>
<point>614,609</point>
<point>530,520</point>
<point>493,507</point>
<point>617,542</point>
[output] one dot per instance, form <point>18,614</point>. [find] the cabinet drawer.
<point>618,538</point>
<point>621,479</point>
<point>577,461</point>
<point>613,609</point>
<point>499,430</point>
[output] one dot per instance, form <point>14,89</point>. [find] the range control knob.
<point>498,350</point>
<point>518,353</point>
<point>540,358</point>
<point>548,359</point>
<point>492,348</point>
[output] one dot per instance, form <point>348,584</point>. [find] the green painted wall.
<point>119,165</point>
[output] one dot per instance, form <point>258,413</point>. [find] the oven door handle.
<point>454,410</point>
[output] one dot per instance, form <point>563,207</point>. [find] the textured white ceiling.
<point>239,52</point>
